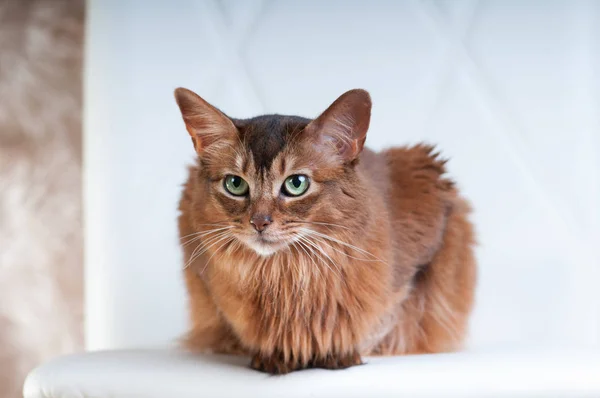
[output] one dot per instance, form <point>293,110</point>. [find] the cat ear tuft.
<point>343,126</point>
<point>206,124</point>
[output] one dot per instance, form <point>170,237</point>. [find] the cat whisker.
<point>309,255</point>
<point>193,255</point>
<point>195,234</point>
<point>198,235</point>
<point>215,241</point>
<point>204,246</point>
<point>302,279</point>
<point>204,235</point>
<point>325,243</point>
<point>314,248</point>
<point>321,223</point>
<point>207,241</point>
<point>306,249</point>
<point>228,241</point>
<point>223,222</point>
<point>218,224</point>
<point>210,225</point>
<point>358,249</point>
<point>318,250</point>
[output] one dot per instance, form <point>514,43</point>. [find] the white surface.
<point>509,373</point>
<point>509,89</point>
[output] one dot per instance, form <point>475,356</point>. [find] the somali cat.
<point>303,249</point>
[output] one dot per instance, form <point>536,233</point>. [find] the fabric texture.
<point>41,45</point>
<point>504,372</point>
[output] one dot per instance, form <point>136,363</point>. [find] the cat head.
<point>270,181</point>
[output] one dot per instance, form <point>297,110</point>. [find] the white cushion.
<point>169,373</point>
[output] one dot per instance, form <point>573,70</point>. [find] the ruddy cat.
<point>304,249</point>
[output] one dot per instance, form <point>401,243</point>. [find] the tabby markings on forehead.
<point>266,136</point>
<point>239,161</point>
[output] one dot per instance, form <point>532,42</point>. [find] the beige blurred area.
<point>41,296</point>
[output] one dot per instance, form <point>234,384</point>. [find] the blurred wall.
<point>509,89</point>
<point>41,45</point>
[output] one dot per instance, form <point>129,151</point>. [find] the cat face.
<point>270,181</point>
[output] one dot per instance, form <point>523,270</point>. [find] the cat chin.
<point>264,249</point>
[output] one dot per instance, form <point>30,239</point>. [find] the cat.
<point>303,249</point>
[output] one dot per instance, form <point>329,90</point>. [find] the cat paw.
<point>272,364</point>
<point>338,361</point>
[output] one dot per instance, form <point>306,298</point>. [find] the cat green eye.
<point>236,185</point>
<point>295,185</point>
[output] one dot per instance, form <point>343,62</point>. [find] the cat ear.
<point>205,123</point>
<point>343,126</point>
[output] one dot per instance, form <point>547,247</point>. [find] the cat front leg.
<point>338,361</point>
<point>275,364</point>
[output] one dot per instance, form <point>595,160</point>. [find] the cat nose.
<point>260,222</point>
